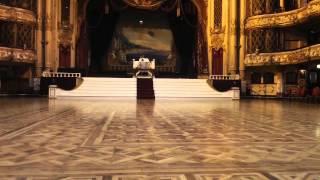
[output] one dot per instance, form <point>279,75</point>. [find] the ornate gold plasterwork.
<point>286,18</point>
<point>145,4</point>
<point>65,34</point>
<point>17,55</point>
<point>17,14</point>
<point>217,38</point>
<point>263,89</point>
<point>284,58</point>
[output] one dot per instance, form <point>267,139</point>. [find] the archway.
<point>114,32</point>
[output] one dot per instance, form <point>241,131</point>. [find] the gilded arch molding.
<point>285,19</point>
<point>17,15</point>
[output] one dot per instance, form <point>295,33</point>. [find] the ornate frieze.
<point>17,55</point>
<point>17,14</point>
<point>284,19</point>
<point>284,58</point>
<point>263,89</point>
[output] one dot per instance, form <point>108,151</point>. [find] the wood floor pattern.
<point>168,139</point>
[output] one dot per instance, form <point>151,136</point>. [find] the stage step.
<point>127,87</point>
<point>103,87</point>
<point>186,88</point>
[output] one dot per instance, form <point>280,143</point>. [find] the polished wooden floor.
<point>168,139</point>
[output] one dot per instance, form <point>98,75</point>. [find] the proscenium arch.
<point>201,6</point>
<point>202,44</point>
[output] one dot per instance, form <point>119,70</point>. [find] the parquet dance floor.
<point>173,139</point>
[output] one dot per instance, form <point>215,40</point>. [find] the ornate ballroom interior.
<point>151,89</point>
<point>271,44</point>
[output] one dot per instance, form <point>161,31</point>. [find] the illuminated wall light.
<point>302,71</point>
<point>318,66</point>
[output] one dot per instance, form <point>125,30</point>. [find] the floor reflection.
<point>147,139</point>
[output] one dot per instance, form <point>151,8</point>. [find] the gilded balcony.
<point>284,58</point>
<point>17,14</point>
<point>285,19</point>
<point>17,55</point>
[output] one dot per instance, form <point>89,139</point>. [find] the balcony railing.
<point>285,19</point>
<point>17,55</point>
<point>17,14</point>
<point>284,58</point>
<point>25,4</point>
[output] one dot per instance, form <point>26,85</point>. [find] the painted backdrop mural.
<point>142,34</point>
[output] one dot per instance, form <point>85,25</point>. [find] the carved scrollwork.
<point>17,55</point>
<point>217,38</point>
<point>284,19</point>
<point>284,58</point>
<point>65,34</point>
<point>17,14</point>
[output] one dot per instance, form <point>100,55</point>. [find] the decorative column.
<point>51,36</point>
<point>232,39</point>
<point>73,22</point>
<point>38,45</point>
<point>243,38</point>
<point>48,30</point>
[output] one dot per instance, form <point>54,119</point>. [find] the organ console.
<point>144,68</point>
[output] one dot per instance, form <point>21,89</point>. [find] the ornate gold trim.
<point>284,58</point>
<point>284,19</point>
<point>17,14</point>
<point>145,4</point>
<point>217,38</point>
<point>17,55</point>
<point>263,89</point>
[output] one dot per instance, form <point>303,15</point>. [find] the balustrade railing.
<point>61,74</point>
<point>285,19</point>
<point>225,77</point>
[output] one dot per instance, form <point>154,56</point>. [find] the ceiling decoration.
<point>145,4</point>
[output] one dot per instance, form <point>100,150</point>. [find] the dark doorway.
<point>217,61</point>
<point>64,56</point>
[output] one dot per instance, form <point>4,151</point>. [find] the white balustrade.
<point>61,74</point>
<point>225,77</point>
